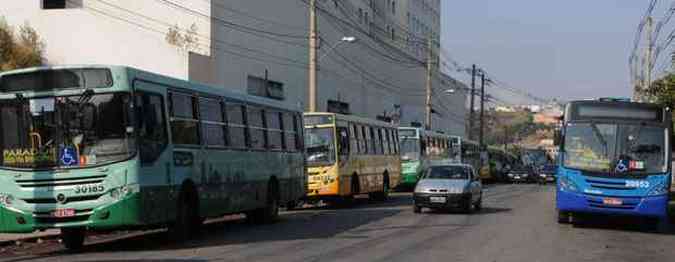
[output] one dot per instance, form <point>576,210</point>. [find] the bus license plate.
<point>612,201</point>
<point>437,199</point>
<point>64,212</point>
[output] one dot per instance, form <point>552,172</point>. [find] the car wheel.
<point>563,217</point>
<point>468,206</point>
<point>479,205</point>
<point>417,209</point>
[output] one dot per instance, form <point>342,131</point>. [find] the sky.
<point>567,49</point>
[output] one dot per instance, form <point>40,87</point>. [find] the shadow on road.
<point>619,223</point>
<point>315,223</point>
<point>483,211</point>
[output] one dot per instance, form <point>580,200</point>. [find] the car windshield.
<point>616,149</point>
<point>320,146</point>
<point>66,131</point>
<point>447,172</point>
<point>410,149</point>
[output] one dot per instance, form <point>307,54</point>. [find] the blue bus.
<point>615,160</point>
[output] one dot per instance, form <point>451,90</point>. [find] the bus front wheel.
<point>73,238</point>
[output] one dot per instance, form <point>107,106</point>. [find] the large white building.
<point>261,47</point>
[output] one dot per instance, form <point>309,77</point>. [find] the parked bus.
<point>349,155</point>
<point>615,159</point>
<point>418,147</point>
<point>109,147</point>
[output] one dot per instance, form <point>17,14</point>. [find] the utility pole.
<point>481,141</point>
<point>313,45</point>
<point>473,93</point>
<point>650,54</point>
<point>428,84</point>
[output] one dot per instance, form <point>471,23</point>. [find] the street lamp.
<point>345,39</point>
<point>314,62</point>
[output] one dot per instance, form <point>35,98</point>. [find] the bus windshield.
<point>615,149</point>
<point>410,149</point>
<point>320,146</point>
<point>66,131</point>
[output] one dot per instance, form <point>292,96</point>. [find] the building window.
<point>393,7</point>
<point>265,88</point>
<point>61,4</point>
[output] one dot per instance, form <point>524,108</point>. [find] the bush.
<point>19,49</point>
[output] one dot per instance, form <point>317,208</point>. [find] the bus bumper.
<point>655,206</point>
<point>122,213</point>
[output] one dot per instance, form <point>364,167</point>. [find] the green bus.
<point>417,148</point>
<point>88,148</point>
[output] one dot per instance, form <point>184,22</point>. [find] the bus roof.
<point>175,83</point>
<point>351,118</point>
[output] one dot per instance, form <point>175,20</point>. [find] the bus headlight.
<point>6,199</point>
<point>567,185</point>
<point>659,189</point>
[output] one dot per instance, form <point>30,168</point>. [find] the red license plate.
<point>64,212</point>
<point>612,201</point>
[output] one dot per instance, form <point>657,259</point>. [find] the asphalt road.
<point>516,224</point>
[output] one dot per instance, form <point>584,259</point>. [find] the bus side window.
<point>274,132</point>
<point>381,141</point>
<point>343,140</point>
<point>151,126</point>
<point>364,140</point>
<point>299,135</point>
<point>236,128</point>
<point>256,127</point>
<point>354,143</point>
<point>184,119</point>
<point>289,132</point>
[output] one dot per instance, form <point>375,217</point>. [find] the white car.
<point>448,185</point>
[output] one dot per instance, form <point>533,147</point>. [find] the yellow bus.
<point>348,156</point>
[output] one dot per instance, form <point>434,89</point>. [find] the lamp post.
<point>313,65</point>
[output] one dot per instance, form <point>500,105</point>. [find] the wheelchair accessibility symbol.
<point>68,156</point>
<point>621,167</point>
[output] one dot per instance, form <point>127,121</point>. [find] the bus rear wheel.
<point>384,194</point>
<point>269,213</point>
<point>73,238</point>
<point>187,216</point>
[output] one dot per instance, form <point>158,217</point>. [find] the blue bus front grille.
<point>608,184</point>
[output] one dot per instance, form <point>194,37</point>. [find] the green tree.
<point>663,90</point>
<point>19,49</point>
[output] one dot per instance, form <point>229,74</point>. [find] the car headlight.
<point>524,175</point>
<point>567,185</point>
<point>6,199</point>
<point>542,175</point>
<point>659,189</point>
<point>510,175</point>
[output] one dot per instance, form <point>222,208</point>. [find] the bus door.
<point>155,156</point>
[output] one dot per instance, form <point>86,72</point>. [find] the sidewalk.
<point>11,238</point>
